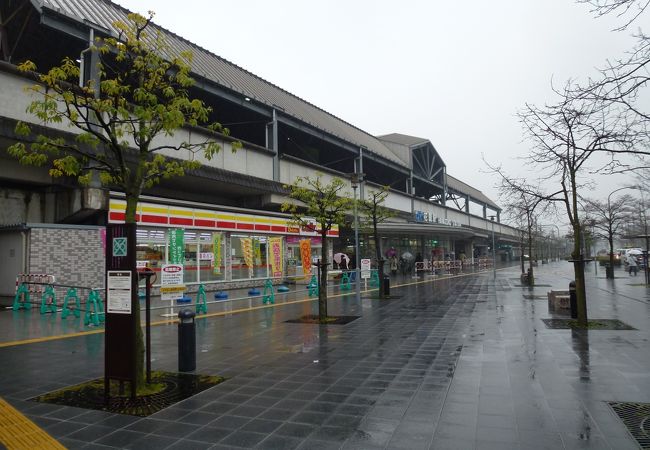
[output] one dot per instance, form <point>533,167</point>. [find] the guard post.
<point>186,341</point>
<point>573,300</point>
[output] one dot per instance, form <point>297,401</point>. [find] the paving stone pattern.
<point>452,364</point>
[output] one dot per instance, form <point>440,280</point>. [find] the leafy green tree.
<point>374,212</point>
<point>325,204</point>
<point>124,119</point>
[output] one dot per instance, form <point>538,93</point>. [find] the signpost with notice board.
<point>365,271</point>
<point>171,285</point>
<point>120,351</point>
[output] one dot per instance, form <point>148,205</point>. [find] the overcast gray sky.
<point>455,72</point>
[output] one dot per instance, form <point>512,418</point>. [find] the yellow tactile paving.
<point>17,432</point>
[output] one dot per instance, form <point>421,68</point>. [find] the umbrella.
<point>408,256</point>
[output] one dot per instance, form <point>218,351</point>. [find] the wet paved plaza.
<point>460,363</point>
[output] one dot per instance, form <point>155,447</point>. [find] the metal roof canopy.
<point>71,16</point>
<point>233,83</point>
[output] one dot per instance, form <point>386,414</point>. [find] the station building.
<point>55,226</point>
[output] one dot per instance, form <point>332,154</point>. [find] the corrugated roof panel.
<point>225,73</point>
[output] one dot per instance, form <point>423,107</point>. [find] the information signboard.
<point>118,291</point>
<point>171,282</point>
<point>365,268</point>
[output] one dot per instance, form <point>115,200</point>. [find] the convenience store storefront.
<point>225,247</point>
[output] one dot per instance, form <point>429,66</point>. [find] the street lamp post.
<point>494,254</point>
<point>356,179</point>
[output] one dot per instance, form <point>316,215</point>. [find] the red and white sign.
<point>365,268</point>
<point>174,216</point>
<point>171,282</point>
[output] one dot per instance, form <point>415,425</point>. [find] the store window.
<point>191,267</point>
<point>150,248</point>
<point>294,258</point>
<point>211,257</point>
<point>249,256</point>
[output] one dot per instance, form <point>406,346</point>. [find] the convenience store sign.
<point>153,214</point>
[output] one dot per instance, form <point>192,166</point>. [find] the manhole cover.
<point>593,324</point>
<point>535,297</point>
<point>636,417</point>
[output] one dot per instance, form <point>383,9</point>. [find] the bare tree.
<point>622,84</point>
<point>628,10</point>
<point>609,217</point>
<point>564,137</point>
<point>523,209</point>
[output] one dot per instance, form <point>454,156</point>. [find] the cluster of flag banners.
<point>251,250</point>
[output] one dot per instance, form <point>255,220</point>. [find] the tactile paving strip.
<point>17,432</point>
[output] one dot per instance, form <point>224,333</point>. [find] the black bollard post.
<point>386,285</point>
<point>186,341</point>
<point>573,300</point>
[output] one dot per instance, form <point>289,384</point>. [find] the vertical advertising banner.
<point>247,250</point>
<point>257,251</point>
<point>216,251</point>
<point>275,245</point>
<point>177,246</point>
<point>305,256</point>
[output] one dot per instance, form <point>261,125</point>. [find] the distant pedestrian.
<point>631,264</point>
<point>393,265</point>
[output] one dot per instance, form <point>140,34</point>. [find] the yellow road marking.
<point>17,432</point>
<point>234,311</point>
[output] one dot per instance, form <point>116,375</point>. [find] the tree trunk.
<point>610,272</point>
<point>521,257</point>
<point>322,288</point>
<point>380,261</point>
<point>131,208</point>
<point>531,278</point>
<point>579,274</point>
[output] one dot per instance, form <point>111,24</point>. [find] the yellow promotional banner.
<point>247,250</point>
<point>216,252</point>
<point>257,251</point>
<point>275,245</point>
<point>305,256</point>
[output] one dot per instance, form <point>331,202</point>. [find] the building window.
<point>151,248</point>
<point>211,257</point>
<point>249,256</point>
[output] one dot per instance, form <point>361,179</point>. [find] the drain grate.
<point>593,324</point>
<point>331,320</point>
<point>90,395</point>
<point>535,297</point>
<point>636,417</point>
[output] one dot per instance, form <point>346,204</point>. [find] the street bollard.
<point>609,271</point>
<point>573,300</point>
<point>186,341</point>
<point>386,285</point>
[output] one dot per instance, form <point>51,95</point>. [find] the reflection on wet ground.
<point>452,363</point>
